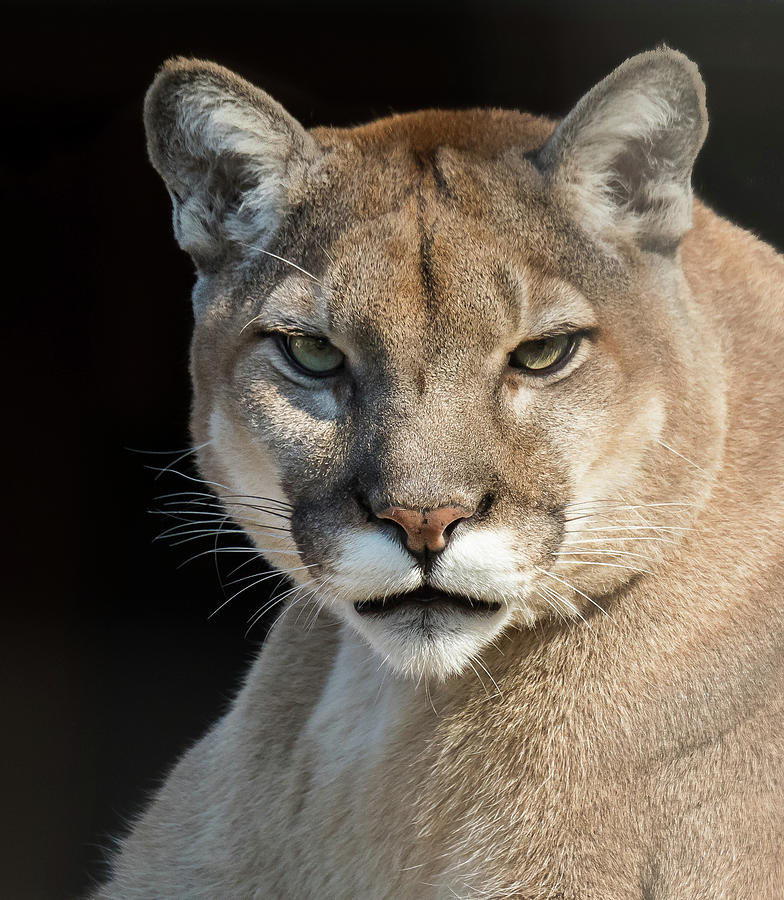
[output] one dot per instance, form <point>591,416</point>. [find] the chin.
<point>428,634</point>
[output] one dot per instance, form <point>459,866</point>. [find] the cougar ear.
<point>228,153</point>
<point>622,158</point>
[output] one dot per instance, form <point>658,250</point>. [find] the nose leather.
<point>424,528</point>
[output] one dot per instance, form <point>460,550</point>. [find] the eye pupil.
<point>313,355</point>
<point>544,355</point>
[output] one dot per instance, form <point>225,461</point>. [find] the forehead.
<point>435,279</point>
<point>446,277</point>
<point>434,226</point>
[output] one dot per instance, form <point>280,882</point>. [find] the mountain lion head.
<point>447,369</point>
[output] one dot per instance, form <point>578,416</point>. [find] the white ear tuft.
<point>622,159</point>
<point>228,154</point>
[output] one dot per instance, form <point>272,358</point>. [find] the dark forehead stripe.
<point>426,165</point>
<point>442,166</point>
<point>494,286</point>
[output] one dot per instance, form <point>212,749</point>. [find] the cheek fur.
<point>249,475</point>
<point>613,466</point>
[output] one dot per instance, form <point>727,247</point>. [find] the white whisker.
<point>250,528</point>
<point>592,562</point>
<point>185,451</point>
<point>484,686</point>
<point>208,495</point>
<point>612,540</point>
<point>587,550</point>
<point>684,458</point>
<point>326,253</point>
<point>559,612</point>
<point>252,550</point>
<point>604,528</point>
<point>485,669</point>
<point>570,607</point>
<point>260,578</point>
<point>573,588</point>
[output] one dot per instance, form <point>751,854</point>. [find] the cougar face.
<point>449,355</point>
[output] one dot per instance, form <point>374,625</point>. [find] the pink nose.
<point>425,530</point>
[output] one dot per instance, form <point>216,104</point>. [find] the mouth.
<point>425,598</point>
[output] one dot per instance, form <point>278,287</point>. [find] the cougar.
<point>505,403</point>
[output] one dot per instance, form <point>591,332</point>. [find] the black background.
<point>109,665</point>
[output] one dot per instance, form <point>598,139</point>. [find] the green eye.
<point>314,355</point>
<point>545,355</point>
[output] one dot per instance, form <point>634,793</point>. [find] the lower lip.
<point>425,599</point>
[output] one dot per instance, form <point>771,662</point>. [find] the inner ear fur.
<point>622,159</point>
<point>228,153</point>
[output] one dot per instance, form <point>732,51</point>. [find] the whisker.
<point>217,500</point>
<point>278,572</point>
<point>264,577</point>
<point>590,515</point>
<point>611,540</point>
<point>549,602</point>
<point>269,607</point>
<point>575,589</point>
<point>326,253</point>
<point>210,496</point>
<point>684,458</point>
<point>266,511</point>
<point>295,588</point>
<point>188,536</point>
<point>243,564</point>
<point>633,528</point>
<point>565,605</point>
<point>230,493</point>
<point>275,601</point>
<point>174,462</point>
<point>188,477</point>
<point>571,607</point>
<point>625,505</point>
<point>484,686</point>
<point>253,550</point>
<point>591,562</point>
<point>427,694</point>
<point>606,515</point>
<point>302,600</point>
<point>282,259</point>
<point>249,528</point>
<point>215,558</point>
<point>184,536</point>
<point>318,606</point>
<point>183,520</point>
<point>210,508</point>
<point>186,451</point>
<point>203,516</point>
<point>260,613</point>
<point>485,669</point>
<point>253,584</point>
<point>602,552</point>
<point>542,596</point>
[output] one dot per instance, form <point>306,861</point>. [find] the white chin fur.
<point>432,643</point>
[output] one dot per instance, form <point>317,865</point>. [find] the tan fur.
<point>627,744</point>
